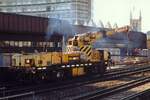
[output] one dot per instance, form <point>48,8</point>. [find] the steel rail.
<point>134,96</point>
<point>105,92</point>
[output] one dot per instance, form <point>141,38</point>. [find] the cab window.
<point>70,42</point>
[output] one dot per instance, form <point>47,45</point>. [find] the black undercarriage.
<point>49,72</point>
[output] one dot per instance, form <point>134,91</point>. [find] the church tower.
<point>136,23</point>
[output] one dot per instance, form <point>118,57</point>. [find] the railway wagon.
<point>52,65</point>
<point>78,59</point>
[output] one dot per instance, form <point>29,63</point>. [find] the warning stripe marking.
<point>86,49</point>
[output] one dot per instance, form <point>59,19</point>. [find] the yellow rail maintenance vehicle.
<point>78,59</point>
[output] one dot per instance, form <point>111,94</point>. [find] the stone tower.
<point>136,23</point>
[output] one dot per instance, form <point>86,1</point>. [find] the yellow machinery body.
<point>44,59</point>
<point>47,59</point>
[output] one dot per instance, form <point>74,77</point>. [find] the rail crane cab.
<point>83,44</point>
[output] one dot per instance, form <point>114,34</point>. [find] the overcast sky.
<point>118,11</point>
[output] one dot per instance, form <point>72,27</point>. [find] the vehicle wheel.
<point>60,75</point>
<point>96,69</point>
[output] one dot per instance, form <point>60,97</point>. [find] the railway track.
<point>18,84</point>
<point>38,90</point>
<point>144,95</point>
<point>96,95</point>
<point>131,94</point>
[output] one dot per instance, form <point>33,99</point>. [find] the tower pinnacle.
<point>135,22</point>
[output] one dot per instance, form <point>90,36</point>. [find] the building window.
<point>51,44</point>
<point>29,9</point>
<point>6,43</point>
<point>12,43</point>
<point>44,44</point>
<point>41,44</point>
<point>48,8</point>
<point>20,44</point>
<point>16,43</point>
<point>59,44</point>
<point>24,43</point>
<point>27,44</point>
<point>2,43</point>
